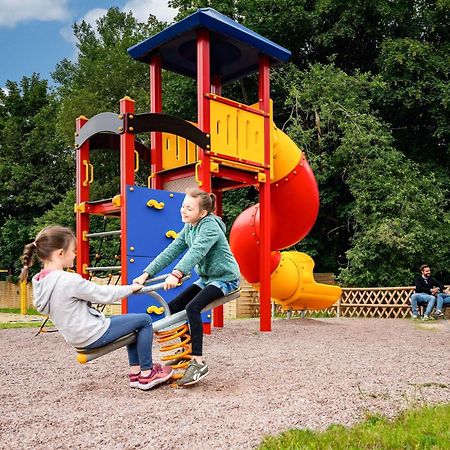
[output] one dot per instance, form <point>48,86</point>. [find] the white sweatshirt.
<point>65,297</point>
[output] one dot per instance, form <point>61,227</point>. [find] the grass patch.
<point>322,314</point>
<point>30,311</point>
<point>8,325</point>
<point>424,428</point>
<point>308,315</point>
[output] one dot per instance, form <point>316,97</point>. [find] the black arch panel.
<point>147,122</point>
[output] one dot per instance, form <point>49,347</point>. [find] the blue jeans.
<point>139,352</point>
<point>442,299</point>
<point>225,286</point>
<point>423,298</point>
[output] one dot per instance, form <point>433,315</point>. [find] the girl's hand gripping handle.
<point>171,282</point>
<point>135,287</point>
<point>141,279</point>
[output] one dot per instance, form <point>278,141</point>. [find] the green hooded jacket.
<point>208,251</point>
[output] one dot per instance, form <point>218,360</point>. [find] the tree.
<point>103,74</point>
<point>32,153</point>
<point>416,76</point>
<point>392,215</point>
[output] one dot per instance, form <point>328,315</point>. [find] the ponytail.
<point>27,260</point>
<point>207,201</point>
<point>213,202</point>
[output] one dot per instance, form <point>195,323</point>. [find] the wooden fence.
<point>390,302</point>
<point>384,302</point>
<point>10,295</point>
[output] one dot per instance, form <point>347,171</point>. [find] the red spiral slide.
<point>294,208</point>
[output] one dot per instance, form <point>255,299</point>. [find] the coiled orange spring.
<point>182,347</point>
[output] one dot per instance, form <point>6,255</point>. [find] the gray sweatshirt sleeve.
<point>96,293</point>
<point>168,255</point>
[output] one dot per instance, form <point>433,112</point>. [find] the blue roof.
<point>235,49</point>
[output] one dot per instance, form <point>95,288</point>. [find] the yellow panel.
<point>191,156</point>
<point>169,151</point>
<point>181,152</point>
<point>223,129</point>
<point>177,151</point>
<point>250,136</point>
<point>236,132</point>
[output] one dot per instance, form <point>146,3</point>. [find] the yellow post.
<point>23,297</point>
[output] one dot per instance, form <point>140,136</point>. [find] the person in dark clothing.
<point>427,289</point>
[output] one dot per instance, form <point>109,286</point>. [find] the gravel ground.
<point>307,373</point>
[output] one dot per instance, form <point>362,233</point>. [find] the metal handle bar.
<point>155,287</point>
<point>150,290</point>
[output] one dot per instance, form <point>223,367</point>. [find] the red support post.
<point>216,88</point>
<point>127,161</point>
<point>202,172</point>
<point>156,107</point>
<point>203,87</point>
<point>218,311</point>
<point>264,200</point>
<point>83,173</point>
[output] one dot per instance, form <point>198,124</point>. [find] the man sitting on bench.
<point>427,288</point>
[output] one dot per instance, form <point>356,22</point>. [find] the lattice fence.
<point>385,302</point>
<point>389,303</point>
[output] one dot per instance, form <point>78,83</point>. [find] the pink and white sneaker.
<point>158,375</point>
<point>134,379</point>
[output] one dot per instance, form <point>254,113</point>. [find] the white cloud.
<point>143,8</point>
<point>93,15</point>
<point>13,11</point>
<point>90,17</point>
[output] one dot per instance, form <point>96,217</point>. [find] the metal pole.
<point>104,233</point>
<point>103,269</point>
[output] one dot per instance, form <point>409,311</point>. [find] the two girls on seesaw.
<point>66,297</point>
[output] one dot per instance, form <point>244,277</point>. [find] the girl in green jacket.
<point>208,251</point>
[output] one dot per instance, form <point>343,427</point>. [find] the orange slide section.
<point>294,208</point>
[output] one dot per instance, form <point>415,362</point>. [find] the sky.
<point>36,34</point>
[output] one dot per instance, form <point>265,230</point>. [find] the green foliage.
<point>423,428</point>
<point>366,95</point>
<point>416,75</point>
<point>234,202</point>
<point>375,198</point>
<point>61,214</point>
<point>32,154</point>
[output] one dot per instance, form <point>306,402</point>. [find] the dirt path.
<point>306,373</point>
<point>9,318</point>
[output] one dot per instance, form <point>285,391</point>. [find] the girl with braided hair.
<point>66,298</point>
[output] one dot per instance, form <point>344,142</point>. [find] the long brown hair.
<point>207,201</point>
<point>47,241</point>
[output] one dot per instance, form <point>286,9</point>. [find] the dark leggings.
<point>194,299</point>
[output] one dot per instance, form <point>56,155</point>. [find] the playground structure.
<point>232,145</point>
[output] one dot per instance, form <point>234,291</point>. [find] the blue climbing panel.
<point>153,218</point>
